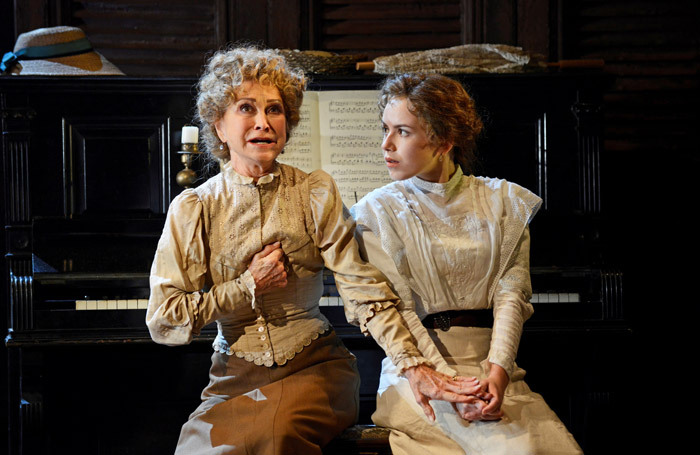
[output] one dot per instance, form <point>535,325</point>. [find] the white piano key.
<point>338,301</point>
<point>122,305</point>
<point>564,297</point>
<point>535,298</point>
<point>80,305</point>
<point>324,301</point>
<point>101,304</point>
<point>143,304</point>
<point>111,304</point>
<point>553,297</point>
<point>574,297</point>
<point>132,304</point>
<point>91,305</point>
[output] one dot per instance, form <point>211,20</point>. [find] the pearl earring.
<point>221,146</point>
<point>440,158</point>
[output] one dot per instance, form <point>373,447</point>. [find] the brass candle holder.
<point>189,149</point>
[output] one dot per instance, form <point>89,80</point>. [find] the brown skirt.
<point>295,408</point>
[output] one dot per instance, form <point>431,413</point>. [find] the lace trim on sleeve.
<point>371,310</point>
<point>249,282</point>
<point>409,362</point>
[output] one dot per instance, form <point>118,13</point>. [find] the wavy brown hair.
<point>443,107</point>
<point>223,75</point>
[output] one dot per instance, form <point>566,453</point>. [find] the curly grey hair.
<point>223,75</point>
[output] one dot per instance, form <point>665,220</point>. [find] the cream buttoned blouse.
<point>199,273</point>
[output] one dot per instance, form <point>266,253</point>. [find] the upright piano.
<point>89,168</point>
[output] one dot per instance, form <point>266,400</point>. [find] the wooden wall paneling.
<point>221,15</point>
<point>284,20</point>
<point>250,21</point>
<point>472,21</point>
<point>30,14</point>
<point>308,24</point>
<point>499,22</point>
<point>534,26</point>
<point>386,27</point>
<point>525,23</point>
<point>146,37</point>
<point>653,49</point>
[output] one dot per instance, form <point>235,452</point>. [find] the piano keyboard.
<point>142,304</point>
<point>556,297</point>
<point>541,297</point>
<point>332,300</point>
<point>121,304</point>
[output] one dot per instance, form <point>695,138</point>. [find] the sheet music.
<point>303,148</point>
<point>346,138</point>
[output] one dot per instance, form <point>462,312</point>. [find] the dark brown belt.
<point>461,318</point>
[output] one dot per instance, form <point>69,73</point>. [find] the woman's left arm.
<point>511,308</point>
<point>363,288</point>
<point>365,291</point>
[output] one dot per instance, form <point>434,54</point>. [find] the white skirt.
<point>529,426</point>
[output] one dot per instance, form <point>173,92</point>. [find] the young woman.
<point>456,248</point>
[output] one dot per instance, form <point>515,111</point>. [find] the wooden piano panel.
<point>116,165</point>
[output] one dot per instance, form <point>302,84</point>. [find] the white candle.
<point>190,134</point>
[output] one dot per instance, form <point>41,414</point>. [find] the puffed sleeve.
<point>371,250</point>
<point>365,291</point>
<point>511,306</point>
<point>178,308</point>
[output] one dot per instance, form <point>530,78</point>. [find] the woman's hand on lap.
<point>428,384</point>
<point>496,385</point>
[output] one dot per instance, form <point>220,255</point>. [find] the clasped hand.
<point>268,269</point>
<point>472,399</point>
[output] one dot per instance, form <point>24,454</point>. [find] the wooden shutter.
<point>152,38</point>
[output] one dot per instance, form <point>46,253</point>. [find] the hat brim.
<point>90,64</point>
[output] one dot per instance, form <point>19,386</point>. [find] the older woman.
<point>456,248</point>
<point>246,249</point>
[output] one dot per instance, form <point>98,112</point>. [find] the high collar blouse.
<point>459,245</point>
<point>199,273</point>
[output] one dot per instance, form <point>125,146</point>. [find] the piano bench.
<point>360,440</point>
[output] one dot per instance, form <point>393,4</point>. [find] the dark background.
<point>651,145</point>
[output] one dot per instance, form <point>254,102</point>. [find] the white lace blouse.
<point>463,244</point>
<point>199,273</point>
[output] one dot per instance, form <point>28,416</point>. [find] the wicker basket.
<point>321,62</point>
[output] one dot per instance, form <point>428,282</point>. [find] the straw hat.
<point>56,51</point>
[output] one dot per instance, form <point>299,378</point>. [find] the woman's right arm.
<point>178,308</point>
<point>371,251</point>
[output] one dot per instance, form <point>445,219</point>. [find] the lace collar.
<point>446,189</point>
<point>237,178</point>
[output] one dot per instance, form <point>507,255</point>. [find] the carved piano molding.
<point>21,294</point>
<point>542,188</point>
<point>611,290</point>
<point>116,165</point>
<point>589,145</point>
<point>17,181</point>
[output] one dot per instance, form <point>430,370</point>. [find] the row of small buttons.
<point>263,332</point>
